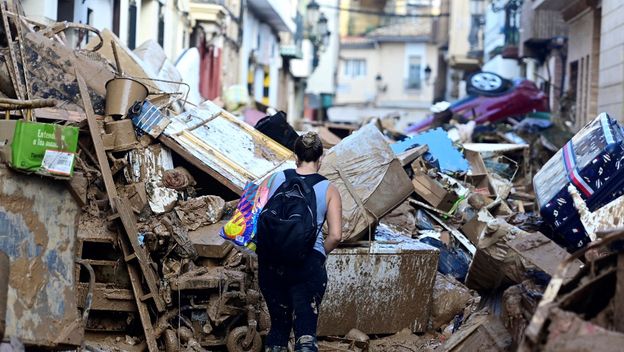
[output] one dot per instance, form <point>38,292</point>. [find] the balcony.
<point>274,12</point>
<point>539,26</point>
<point>569,8</point>
<point>210,11</point>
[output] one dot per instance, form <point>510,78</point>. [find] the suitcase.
<point>593,162</point>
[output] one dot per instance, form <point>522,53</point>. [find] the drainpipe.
<point>4,288</point>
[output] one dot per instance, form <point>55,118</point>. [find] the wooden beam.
<point>106,298</point>
<point>13,70</point>
<point>98,145</point>
<point>412,154</point>
<point>458,235</point>
<point>60,114</point>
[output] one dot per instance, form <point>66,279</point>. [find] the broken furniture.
<point>583,314</point>
<point>210,137</point>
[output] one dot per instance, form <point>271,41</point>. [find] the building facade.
<point>500,40</point>
<point>391,69</point>
<point>592,66</point>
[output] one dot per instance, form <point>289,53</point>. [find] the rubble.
<point>450,298</point>
<point>116,218</point>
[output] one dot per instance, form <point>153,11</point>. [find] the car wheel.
<point>486,83</point>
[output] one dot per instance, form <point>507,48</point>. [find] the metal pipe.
<point>4,288</point>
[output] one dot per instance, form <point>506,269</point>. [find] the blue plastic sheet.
<point>441,149</point>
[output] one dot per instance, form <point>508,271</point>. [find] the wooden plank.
<point>178,149</point>
<point>144,314</point>
<point>20,41</point>
<point>618,298</point>
<point>106,298</point>
<point>98,145</point>
<point>412,154</point>
<point>458,235</point>
<point>60,114</point>
<point>17,81</point>
<point>128,221</point>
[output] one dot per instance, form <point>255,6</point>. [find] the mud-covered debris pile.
<point>446,244</point>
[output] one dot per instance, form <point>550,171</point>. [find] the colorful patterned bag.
<point>241,228</point>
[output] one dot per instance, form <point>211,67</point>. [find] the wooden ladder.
<point>135,256</point>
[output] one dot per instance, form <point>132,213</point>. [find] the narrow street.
<point>462,156</point>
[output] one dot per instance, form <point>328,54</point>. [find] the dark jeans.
<point>293,295</point>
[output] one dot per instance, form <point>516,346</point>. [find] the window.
<point>89,22</point>
<point>413,71</point>
<point>161,25</point>
<point>132,23</point>
<point>355,68</point>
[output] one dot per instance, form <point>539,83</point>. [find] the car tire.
<point>487,84</point>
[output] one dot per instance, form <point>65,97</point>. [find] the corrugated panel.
<point>38,222</point>
<point>230,147</point>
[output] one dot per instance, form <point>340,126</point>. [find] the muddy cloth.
<point>293,295</point>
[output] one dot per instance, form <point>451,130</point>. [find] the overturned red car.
<point>492,98</point>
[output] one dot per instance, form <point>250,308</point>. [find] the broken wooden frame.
<point>233,165</point>
<point>534,333</point>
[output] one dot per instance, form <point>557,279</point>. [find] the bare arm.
<point>334,219</point>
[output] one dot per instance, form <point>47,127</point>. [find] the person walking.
<point>292,249</point>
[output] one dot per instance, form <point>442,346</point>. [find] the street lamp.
<point>317,30</point>
<point>321,27</point>
<point>427,74</point>
<point>312,13</point>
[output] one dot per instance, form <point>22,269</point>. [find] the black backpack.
<point>287,227</point>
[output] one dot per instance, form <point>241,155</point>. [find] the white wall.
<point>267,53</point>
<point>493,32</point>
<point>322,80</point>
<point>41,9</point>
<point>494,37</point>
<point>102,12</point>
<point>508,68</point>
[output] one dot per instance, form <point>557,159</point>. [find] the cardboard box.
<point>473,229</point>
<point>431,190</point>
<point>44,148</point>
<point>478,175</point>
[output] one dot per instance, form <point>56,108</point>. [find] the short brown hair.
<point>308,147</point>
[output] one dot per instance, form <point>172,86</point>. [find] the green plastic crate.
<point>44,148</point>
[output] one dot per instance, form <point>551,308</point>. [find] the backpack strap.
<point>289,174</point>
<point>313,179</point>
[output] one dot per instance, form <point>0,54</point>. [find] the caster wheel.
<point>236,337</point>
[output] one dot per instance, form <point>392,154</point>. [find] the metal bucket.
<point>121,94</point>
<point>4,288</point>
